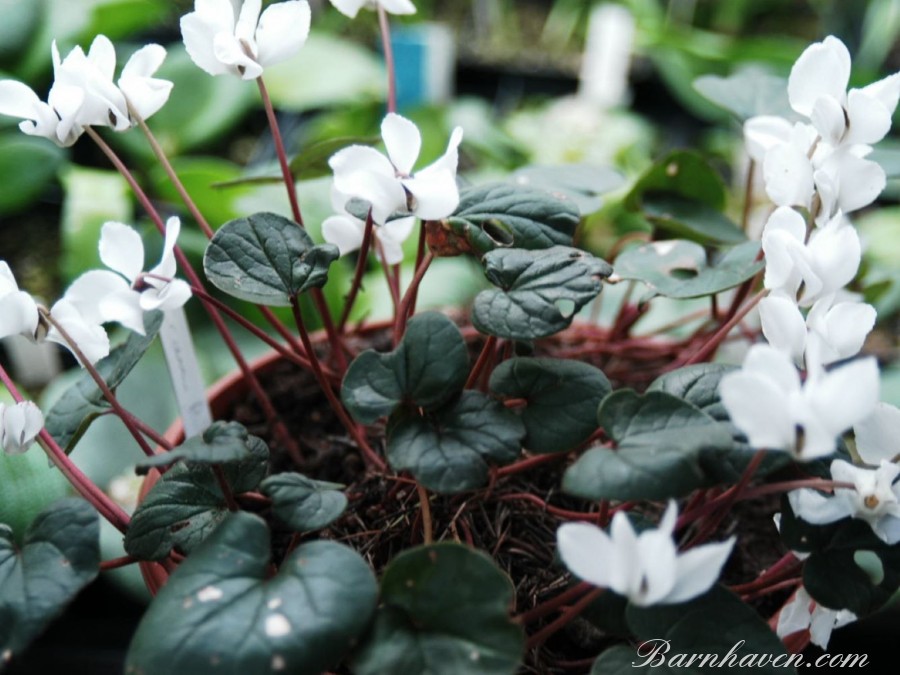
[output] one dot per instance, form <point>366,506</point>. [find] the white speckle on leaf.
<point>209,593</point>
<point>663,247</point>
<point>277,625</point>
<point>7,655</point>
<point>474,655</point>
<point>188,603</point>
<point>278,662</point>
<point>274,603</point>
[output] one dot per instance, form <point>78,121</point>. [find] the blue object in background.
<point>425,60</point>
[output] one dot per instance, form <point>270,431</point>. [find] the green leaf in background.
<point>501,215</point>
<point>304,504</point>
<point>221,443</point>
<point>659,439</point>
<point>20,19</point>
<point>691,219</point>
<point>186,504</point>
<point>428,368</point>
<point>444,611</point>
<point>448,451</point>
<point>312,160</point>
<point>539,291</point>
<point>266,259</point>
<point>221,612</point>
<point>747,93</point>
<point>562,399</point>
<point>28,485</point>
<point>582,184</point>
<point>82,402</point>
<point>60,556</point>
<point>684,173</point>
<point>679,269</point>
<point>617,660</point>
<point>27,166</point>
<point>711,624</point>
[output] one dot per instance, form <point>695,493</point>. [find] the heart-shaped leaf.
<point>83,402</point>
<point>659,439</point>
<point>221,443</point>
<point>539,291</point>
<point>266,259</point>
<point>187,504</point>
<point>60,556</point>
<point>220,613</point>
<point>583,184</point>
<point>304,504</point>
<point>562,399</point>
<point>429,367</point>
<point>684,173</point>
<point>445,611</point>
<point>448,451</point>
<point>747,93</point>
<point>691,219</point>
<point>679,268</point>
<point>502,215</point>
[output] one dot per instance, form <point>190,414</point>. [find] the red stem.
<point>544,506</point>
<point>116,563</point>
<point>554,603</point>
<point>567,616</point>
<point>526,464</point>
<point>486,352</point>
<point>403,310</point>
<point>360,271</point>
<point>385,28</point>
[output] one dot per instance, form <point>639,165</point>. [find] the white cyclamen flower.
<point>145,94</point>
<point>125,294</point>
<point>874,499</point>
<point>388,184</point>
<point>768,403</point>
<point>225,37</point>
<point>351,7</point>
<point>878,435</point>
<point>647,567</point>
<point>19,426</point>
<point>87,334</point>
<point>18,310</point>
<point>346,231</point>
<point>823,266</point>
<point>804,613</point>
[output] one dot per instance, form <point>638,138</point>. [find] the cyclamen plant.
<point>518,467</point>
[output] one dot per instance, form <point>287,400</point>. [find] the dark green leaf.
<point>617,660</point>
<point>220,613</point>
<point>81,403</point>
<point>581,183</point>
<point>691,219</point>
<point>304,504</point>
<point>500,215</point>
<point>448,451</point>
<point>221,443</point>
<point>187,504</point>
<point>27,166</point>
<point>747,93</point>
<point>717,623</point>
<point>684,173</point>
<point>659,440</point>
<point>679,269</point>
<point>539,291</point>
<point>59,557</point>
<point>562,397</point>
<point>445,611</point>
<point>266,259</point>
<point>428,367</point>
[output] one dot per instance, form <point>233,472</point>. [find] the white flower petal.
<point>391,246</point>
<point>398,6</point>
<point>795,615</point>
<point>87,292</point>
<point>349,7</point>
<point>344,232</point>
<point>656,559</point>
<point>168,264</point>
<point>122,250</point>
<point>90,337</point>
<point>199,29</point>
<point>145,93</point>
<point>764,132</point>
<point>698,569</point>
<point>586,550</point>
<point>282,32</point>
<point>436,195</point>
<point>788,175</point>
<point>366,174</point>
<point>18,314</point>
<point>230,51</point>
<point>248,17</point>
<point>878,435</point>
<point>402,141</point>
<point>828,119</point>
<point>783,325</point>
<point>846,326</point>
<point>844,396</point>
<point>21,423</point>
<point>822,70</point>
<point>885,91</point>
<point>817,509</point>
<point>868,119</point>
<point>759,409</point>
<point>165,296</point>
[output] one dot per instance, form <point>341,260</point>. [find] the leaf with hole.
<point>223,612</point>
<point>445,611</point>
<point>266,259</point>
<point>659,441</point>
<point>60,556</point>
<point>448,451</point>
<point>539,292</point>
<point>561,399</point>
<point>186,504</point>
<point>428,368</point>
<point>683,173</point>
<point>304,504</point>
<point>679,269</point>
<point>83,402</point>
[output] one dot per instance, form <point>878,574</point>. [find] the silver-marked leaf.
<point>444,611</point>
<point>503,215</point>
<point>304,504</point>
<point>428,368</point>
<point>266,259</point>
<point>83,402</point>
<point>562,399</point>
<point>186,504</point>
<point>679,268</point>
<point>221,613</point>
<point>60,556</point>
<point>221,443</point>
<point>448,451</point>
<point>659,441</point>
<point>539,292</point>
